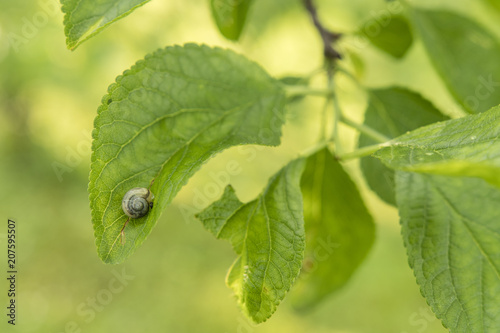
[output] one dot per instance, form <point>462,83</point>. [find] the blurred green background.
<point>48,100</point>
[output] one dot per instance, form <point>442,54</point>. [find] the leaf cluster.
<point>309,230</point>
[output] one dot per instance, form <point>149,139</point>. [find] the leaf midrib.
<point>444,151</point>
<point>202,131</point>
<point>465,220</point>
<point>87,33</point>
<point>139,132</point>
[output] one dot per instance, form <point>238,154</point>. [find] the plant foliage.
<point>309,230</point>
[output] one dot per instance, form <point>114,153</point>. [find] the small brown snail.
<point>136,203</point>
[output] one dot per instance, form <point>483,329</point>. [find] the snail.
<point>136,203</point>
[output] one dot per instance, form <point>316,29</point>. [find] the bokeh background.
<point>48,100</point>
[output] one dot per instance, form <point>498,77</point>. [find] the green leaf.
<point>390,34</point>
<point>268,236</point>
<point>230,16</point>
<point>339,230</point>
<point>452,235</point>
<point>86,18</point>
<point>468,146</point>
<point>392,112</point>
<point>162,120</point>
<point>465,54</point>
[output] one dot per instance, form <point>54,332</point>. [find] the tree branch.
<point>327,36</point>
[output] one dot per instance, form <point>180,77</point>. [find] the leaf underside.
<point>162,120</point>
<point>230,16</point>
<point>390,34</point>
<point>392,111</point>
<point>468,146</point>
<point>269,238</point>
<point>465,55</point>
<point>86,18</point>
<point>451,230</point>
<point>339,230</point>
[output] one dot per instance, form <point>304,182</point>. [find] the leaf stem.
<point>337,117</point>
<point>361,152</point>
<point>313,149</point>
<point>315,72</point>
<point>379,137</point>
<point>368,131</point>
<point>351,77</point>
<point>324,120</point>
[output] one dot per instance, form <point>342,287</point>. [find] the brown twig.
<point>328,37</point>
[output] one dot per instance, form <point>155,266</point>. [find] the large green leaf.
<point>162,120</point>
<point>339,230</point>
<point>392,112</point>
<point>230,16</point>
<point>451,230</point>
<point>390,34</point>
<point>85,18</point>
<point>468,146</point>
<point>268,236</point>
<point>465,54</point>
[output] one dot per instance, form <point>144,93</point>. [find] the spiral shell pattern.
<point>137,202</point>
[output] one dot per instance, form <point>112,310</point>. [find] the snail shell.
<point>137,202</point>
